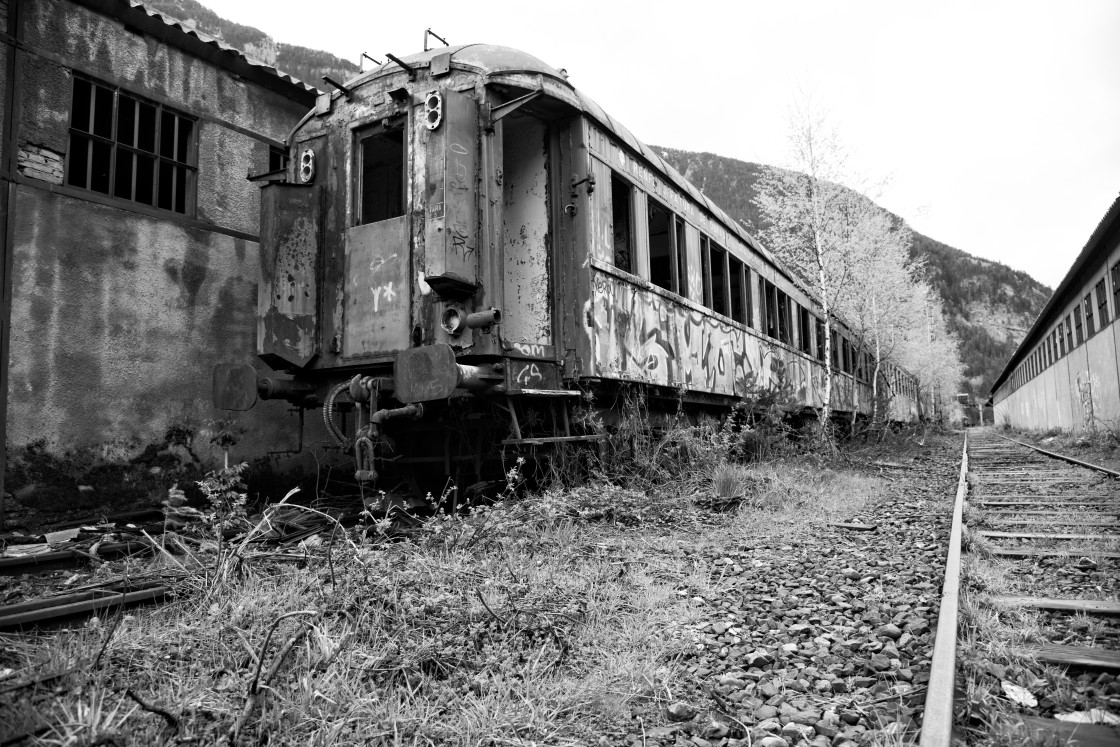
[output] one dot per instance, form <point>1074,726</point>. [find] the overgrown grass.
<point>554,619</point>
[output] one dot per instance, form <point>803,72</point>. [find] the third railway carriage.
<point>1066,372</point>
<point>462,243</point>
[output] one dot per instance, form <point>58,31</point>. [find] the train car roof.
<point>500,64</point>
<point>1083,269</point>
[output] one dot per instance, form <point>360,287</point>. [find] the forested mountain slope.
<point>309,65</point>
<point>989,305</point>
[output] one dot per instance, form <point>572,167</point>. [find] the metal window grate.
<point>131,149</point>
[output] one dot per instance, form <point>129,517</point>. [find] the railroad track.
<point>1029,634</point>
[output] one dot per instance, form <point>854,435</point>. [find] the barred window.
<point>1090,330</point>
<point>129,148</point>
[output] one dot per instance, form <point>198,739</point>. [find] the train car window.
<point>748,293</point>
<point>735,276</point>
<point>805,329</point>
<point>128,148</point>
<point>1069,334</point>
<point>706,270</point>
<point>622,222</point>
<point>820,339</point>
<point>1116,290</point>
<point>277,158</point>
<point>1102,304</point>
<point>771,296</point>
<point>783,317</point>
<point>1090,330</point>
<point>381,189</point>
<point>660,246</point>
<point>1077,324</point>
<point>680,253</point>
<point>835,350</point>
<point>719,278</point>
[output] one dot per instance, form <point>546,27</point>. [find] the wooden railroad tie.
<point>1093,658</point>
<point>1046,535</point>
<point>1047,553</point>
<point>1036,730</point>
<point>1088,606</point>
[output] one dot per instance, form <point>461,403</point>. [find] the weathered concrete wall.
<point>118,315</point>
<point>117,320</point>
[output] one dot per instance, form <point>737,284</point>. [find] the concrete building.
<point>1066,373</point>
<point>129,235</point>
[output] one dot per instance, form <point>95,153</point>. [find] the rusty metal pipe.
<point>480,319</point>
<point>289,389</point>
<point>414,411</point>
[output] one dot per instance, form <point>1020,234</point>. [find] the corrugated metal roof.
<point>183,28</point>
<point>1061,295</point>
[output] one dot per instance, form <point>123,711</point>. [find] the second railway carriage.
<point>462,242</point>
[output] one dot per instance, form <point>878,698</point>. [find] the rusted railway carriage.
<point>462,242</point>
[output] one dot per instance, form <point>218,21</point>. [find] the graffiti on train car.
<point>641,336</point>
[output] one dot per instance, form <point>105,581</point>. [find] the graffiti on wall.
<point>1087,386</point>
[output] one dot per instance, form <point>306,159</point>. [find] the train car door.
<point>378,293</point>
<point>527,236</point>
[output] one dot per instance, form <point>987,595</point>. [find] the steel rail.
<point>1063,457</point>
<point>937,721</point>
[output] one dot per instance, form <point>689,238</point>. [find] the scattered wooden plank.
<point>33,613</point>
<point>552,440</point>
<point>1095,658</point>
<point>1043,535</point>
<point>1090,606</point>
<point>1035,730</point>
<point>856,527</point>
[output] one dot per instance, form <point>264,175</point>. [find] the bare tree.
<point>809,220</point>
<point>855,256</point>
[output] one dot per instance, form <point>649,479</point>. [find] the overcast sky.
<point>997,124</point>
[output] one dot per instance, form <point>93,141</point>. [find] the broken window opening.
<point>804,330</point>
<point>719,279</point>
<point>680,252</point>
<point>820,339</point>
<point>735,276</point>
<point>783,317</point>
<point>131,149</point>
<point>769,294</point>
<point>706,271</point>
<point>622,223</point>
<point>277,158</point>
<point>382,174</point>
<point>660,247</point>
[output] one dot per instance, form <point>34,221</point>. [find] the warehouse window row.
<point>1090,316</point>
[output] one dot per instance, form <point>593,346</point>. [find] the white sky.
<point>996,123</point>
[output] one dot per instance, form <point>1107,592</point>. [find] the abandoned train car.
<point>462,232</point>
<point>1066,372</point>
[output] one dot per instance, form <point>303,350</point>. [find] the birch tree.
<point>808,220</point>
<point>856,258</point>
